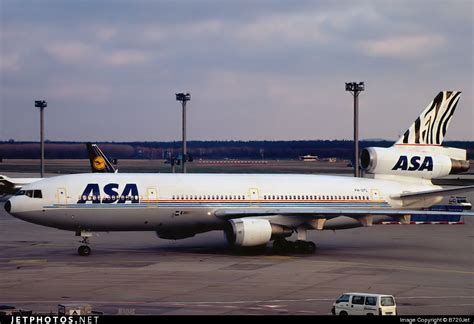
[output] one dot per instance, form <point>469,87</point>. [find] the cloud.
<point>75,52</point>
<point>403,47</point>
<point>252,67</point>
<point>281,30</point>
<point>78,92</point>
<point>9,62</point>
<point>106,34</point>
<point>70,52</point>
<point>126,57</point>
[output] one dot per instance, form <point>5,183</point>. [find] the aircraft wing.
<point>431,193</point>
<point>315,213</point>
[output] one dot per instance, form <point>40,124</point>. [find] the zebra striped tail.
<point>431,126</point>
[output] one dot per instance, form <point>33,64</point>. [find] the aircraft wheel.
<point>281,246</point>
<point>84,250</point>
<point>304,247</point>
<point>298,246</point>
<point>310,247</point>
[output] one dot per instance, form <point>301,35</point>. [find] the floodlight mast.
<point>184,97</point>
<point>41,104</point>
<point>356,88</point>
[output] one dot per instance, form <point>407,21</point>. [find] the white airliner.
<point>255,209</point>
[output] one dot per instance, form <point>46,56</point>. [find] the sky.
<point>256,70</point>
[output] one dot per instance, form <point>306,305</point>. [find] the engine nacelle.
<point>410,163</point>
<point>249,232</point>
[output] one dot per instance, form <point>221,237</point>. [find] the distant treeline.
<point>342,149</point>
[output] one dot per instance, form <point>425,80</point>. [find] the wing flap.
<point>431,193</point>
<point>327,213</point>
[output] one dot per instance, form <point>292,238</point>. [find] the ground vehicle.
<point>460,201</point>
<point>364,304</point>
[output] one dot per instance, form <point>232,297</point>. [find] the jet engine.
<point>410,163</point>
<point>244,232</point>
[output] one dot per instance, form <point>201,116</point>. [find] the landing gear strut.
<point>84,249</point>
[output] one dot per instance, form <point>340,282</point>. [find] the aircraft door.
<point>375,194</point>
<point>152,194</point>
<point>62,196</point>
<point>253,193</point>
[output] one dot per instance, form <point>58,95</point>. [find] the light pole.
<point>184,97</point>
<point>356,88</point>
<point>41,104</point>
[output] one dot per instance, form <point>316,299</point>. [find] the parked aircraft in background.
<point>9,185</point>
<point>99,162</point>
<point>254,209</point>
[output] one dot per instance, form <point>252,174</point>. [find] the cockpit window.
<point>30,193</point>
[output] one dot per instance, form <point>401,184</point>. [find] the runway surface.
<point>428,268</point>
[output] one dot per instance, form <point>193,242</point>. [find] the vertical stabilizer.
<point>99,162</point>
<point>430,127</point>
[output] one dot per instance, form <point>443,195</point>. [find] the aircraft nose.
<point>8,206</point>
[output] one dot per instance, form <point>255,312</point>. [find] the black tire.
<point>343,313</point>
<point>281,246</point>
<point>84,250</point>
<point>299,246</point>
<point>310,247</point>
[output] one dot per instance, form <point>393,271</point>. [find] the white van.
<point>364,304</point>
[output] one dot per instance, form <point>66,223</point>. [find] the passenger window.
<point>372,301</point>
<point>29,193</point>
<point>358,300</point>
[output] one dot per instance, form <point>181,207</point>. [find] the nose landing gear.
<point>84,250</point>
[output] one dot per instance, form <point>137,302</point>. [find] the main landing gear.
<point>301,245</point>
<point>84,249</point>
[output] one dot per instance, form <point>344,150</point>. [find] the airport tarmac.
<point>428,268</point>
